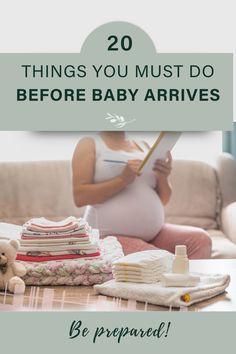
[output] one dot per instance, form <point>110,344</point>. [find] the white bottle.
<point>181,263</point>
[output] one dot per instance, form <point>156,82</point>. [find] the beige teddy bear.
<point>10,270</point>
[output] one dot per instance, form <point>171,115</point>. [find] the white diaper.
<point>142,267</point>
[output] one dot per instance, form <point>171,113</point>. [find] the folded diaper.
<point>142,267</point>
<point>139,275</point>
<point>209,286</point>
<point>144,259</point>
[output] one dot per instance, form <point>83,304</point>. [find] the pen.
<point>115,161</point>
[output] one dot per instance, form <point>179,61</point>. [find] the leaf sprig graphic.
<point>118,121</point>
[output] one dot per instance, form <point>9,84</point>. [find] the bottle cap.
<point>181,250</point>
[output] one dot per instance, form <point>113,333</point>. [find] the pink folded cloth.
<point>56,236</point>
<point>59,241</point>
<point>43,225</point>
<point>25,258</point>
<point>58,253</point>
<point>71,226</point>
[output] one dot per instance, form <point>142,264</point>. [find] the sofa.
<point>203,196</point>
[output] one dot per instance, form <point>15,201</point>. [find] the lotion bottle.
<point>181,263</point>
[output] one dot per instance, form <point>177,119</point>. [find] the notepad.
<point>164,143</point>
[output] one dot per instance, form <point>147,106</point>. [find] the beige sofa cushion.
<point>195,199</point>
<point>222,247</point>
<point>44,188</point>
<point>30,189</point>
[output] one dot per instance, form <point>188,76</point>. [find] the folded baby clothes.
<point>44,225</point>
<point>46,258</point>
<point>45,240</point>
<point>142,267</point>
<point>53,236</point>
<point>59,247</point>
<point>79,271</point>
<point>209,286</point>
<point>57,241</point>
<point>40,228</point>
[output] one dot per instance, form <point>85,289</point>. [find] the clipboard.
<point>164,143</point>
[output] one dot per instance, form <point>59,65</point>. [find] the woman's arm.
<point>163,187</point>
<point>164,190</point>
<point>85,191</point>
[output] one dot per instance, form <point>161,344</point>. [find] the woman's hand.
<point>162,168</point>
<point>130,172</point>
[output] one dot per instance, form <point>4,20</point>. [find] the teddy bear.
<point>10,270</point>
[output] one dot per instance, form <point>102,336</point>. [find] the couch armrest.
<point>228,221</point>
<point>226,169</point>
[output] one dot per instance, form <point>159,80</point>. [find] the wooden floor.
<point>83,298</point>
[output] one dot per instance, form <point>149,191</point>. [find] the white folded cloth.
<point>58,241</point>
<point>142,267</point>
<point>209,286</point>
<point>10,231</point>
<point>180,280</point>
<point>43,222</point>
<point>55,248</point>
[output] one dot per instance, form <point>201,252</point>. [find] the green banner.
<point>117,82</point>
<point>155,332</point>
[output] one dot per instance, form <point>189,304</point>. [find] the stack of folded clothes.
<point>78,271</point>
<point>142,267</point>
<point>44,240</point>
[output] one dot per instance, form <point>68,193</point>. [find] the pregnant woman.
<point>128,205</point>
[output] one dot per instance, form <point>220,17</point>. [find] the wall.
<point>26,146</point>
